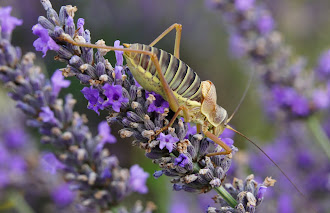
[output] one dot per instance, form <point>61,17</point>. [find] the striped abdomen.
<point>180,77</point>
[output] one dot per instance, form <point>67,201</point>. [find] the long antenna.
<point>243,96</point>
<point>229,127</point>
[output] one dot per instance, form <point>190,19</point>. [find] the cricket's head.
<point>216,116</point>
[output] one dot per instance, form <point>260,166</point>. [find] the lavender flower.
<point>58,82</point>
<point>95,102</point>
<point>80,26</point>
<point>126,104</point>
<point>244,5</point>
<point>104,133</point>
<point>114,95</point>
<point>44,42</point>
<point>158,104</point>
<point>119,54</point>
<point>83,160</point>
<point>47,115</point>
<point>63,196</point>
<point>291,95</point>
<point>50,163</point>
<point>8,23</point>
<point>248,193</point>
<point>137,121</point>
<point>323,68</point>
<point>182,160</point>
<point>167,141</point>
<point>138,179</point>
<point>22,177</point>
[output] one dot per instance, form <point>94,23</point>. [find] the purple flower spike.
<point>191,130</point>
<point>228,141</point>
<point>50,163</point>
<point>105,135</point>
<point>321,99</point>
<point>243,5</point>
<point>94,99</point>
<point>63,196</point>
<point>237,46</point>
<point>115,97</point>
<point>119,54</point>
<point>44,42</point>
<point>118,73</point>
<point>104,132</point>
<point>58,82</point>
<point>8,23</point>
<point>157,174</point>
<point>265,24</point>
<point>285,204</point>
<point>182,160</point>
<point>323,69</point>
<point>15,138</point>
<point>47,115</point>
<point>167,141</point>
<point>158,105</point>
<point>17,165</point>
<point>80,26</point>
<point>227,133</point>
<point>177,187</point>
<point>69,21</point>
<point>284,96</point>
<point>300,106</point>
<point>261,192</point>
<point>138,179</point>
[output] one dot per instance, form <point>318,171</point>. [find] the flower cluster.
<point>23,177</point>
<point>83,160</point>
<point>179,155</point>
<point>291,95</point>
<point>253,36</point>
<point>248,193</point>
<point>142,114</point>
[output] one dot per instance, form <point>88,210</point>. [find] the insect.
<point>165,74</point>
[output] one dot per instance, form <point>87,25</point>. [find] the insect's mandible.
<point>165,74</point>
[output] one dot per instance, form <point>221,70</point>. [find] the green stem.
<point>226,196</point>
<point>319,134</point>
<point>20,203</point>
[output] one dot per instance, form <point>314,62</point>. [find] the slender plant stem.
<point>226,196</point>
<point>19,203</point>
<point>319,134</point>
<point>6,206</point>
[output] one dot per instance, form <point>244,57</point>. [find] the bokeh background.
<point>204,46</point>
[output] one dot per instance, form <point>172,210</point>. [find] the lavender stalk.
<point>83,159</point>
<point>292,95</point>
